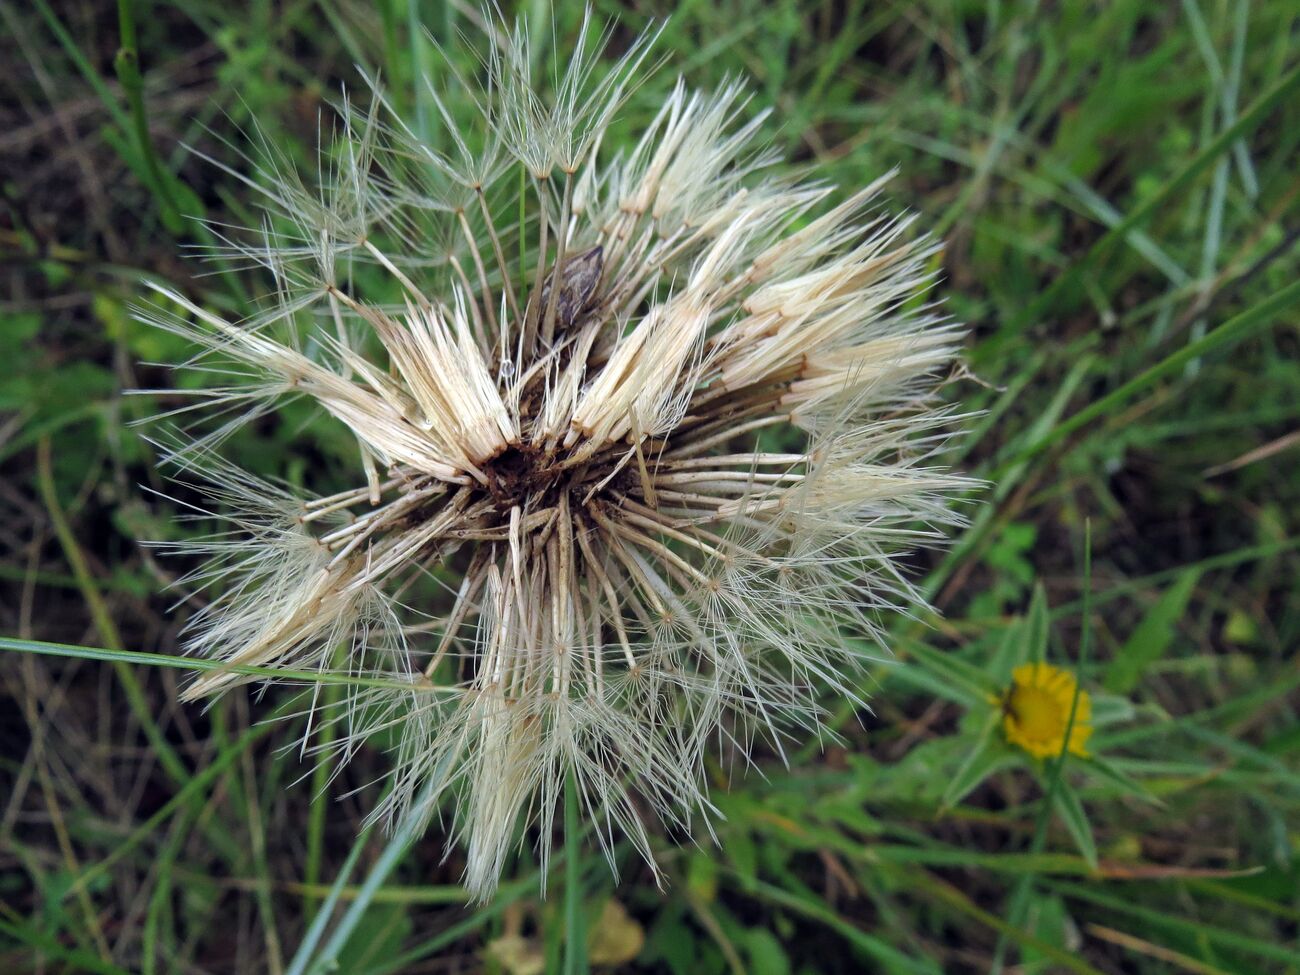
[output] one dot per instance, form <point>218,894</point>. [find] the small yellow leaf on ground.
<point>517,955</point>
<point>615,938</point>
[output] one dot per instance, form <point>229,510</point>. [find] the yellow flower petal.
<point>1036,711</point>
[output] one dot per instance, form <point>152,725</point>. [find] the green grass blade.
<point>1244,124</point>
<point>298,964</point>
<point>175,662</point>
<point>575,929</point>
<point>1234,330</point>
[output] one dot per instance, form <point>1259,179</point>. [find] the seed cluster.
<point>667,455</point>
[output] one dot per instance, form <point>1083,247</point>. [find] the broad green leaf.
<point>766,956</point>
<point>673,941</point>
<point>702,876</point>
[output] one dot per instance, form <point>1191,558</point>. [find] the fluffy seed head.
<point>641,433</point>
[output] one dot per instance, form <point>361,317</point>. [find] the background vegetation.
<point>1117,184</point>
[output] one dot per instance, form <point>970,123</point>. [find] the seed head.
<point>636,468</point>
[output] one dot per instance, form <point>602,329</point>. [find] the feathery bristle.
<point>583,414</point>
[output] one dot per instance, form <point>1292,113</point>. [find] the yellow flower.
<point>1036,710</point>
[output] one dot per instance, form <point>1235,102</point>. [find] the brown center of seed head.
<point>519,473</point>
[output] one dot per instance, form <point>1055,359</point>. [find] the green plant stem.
<point>1055,772</point>
<point>305,960</point>
<point>945,893</point>
<point>398,846</point>
<point>298,965</point>
<point>575,934</point>
<point>127,65</point>
<point>320,778</point>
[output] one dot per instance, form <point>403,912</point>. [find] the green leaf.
<point>944,674</point>
<point>766,956</point>
<point>989,756</point>
<point>1240,628</point>
<point>1151,638</point>
<point>17,328</point>
<point>52,948</point>
<point>1070,808</point>
<point>1129,786</point>
<point>1110,709</point>
<point>881,952</point>
<point>1012,651</point>
<point>1197,929</point>
<point>1048,921</point>
<point>702,876</point>
<point>742,854</point>
<point>919,679</point>
<point>387,926</point>
<point>672,941</point>
<point>1234,330</point>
